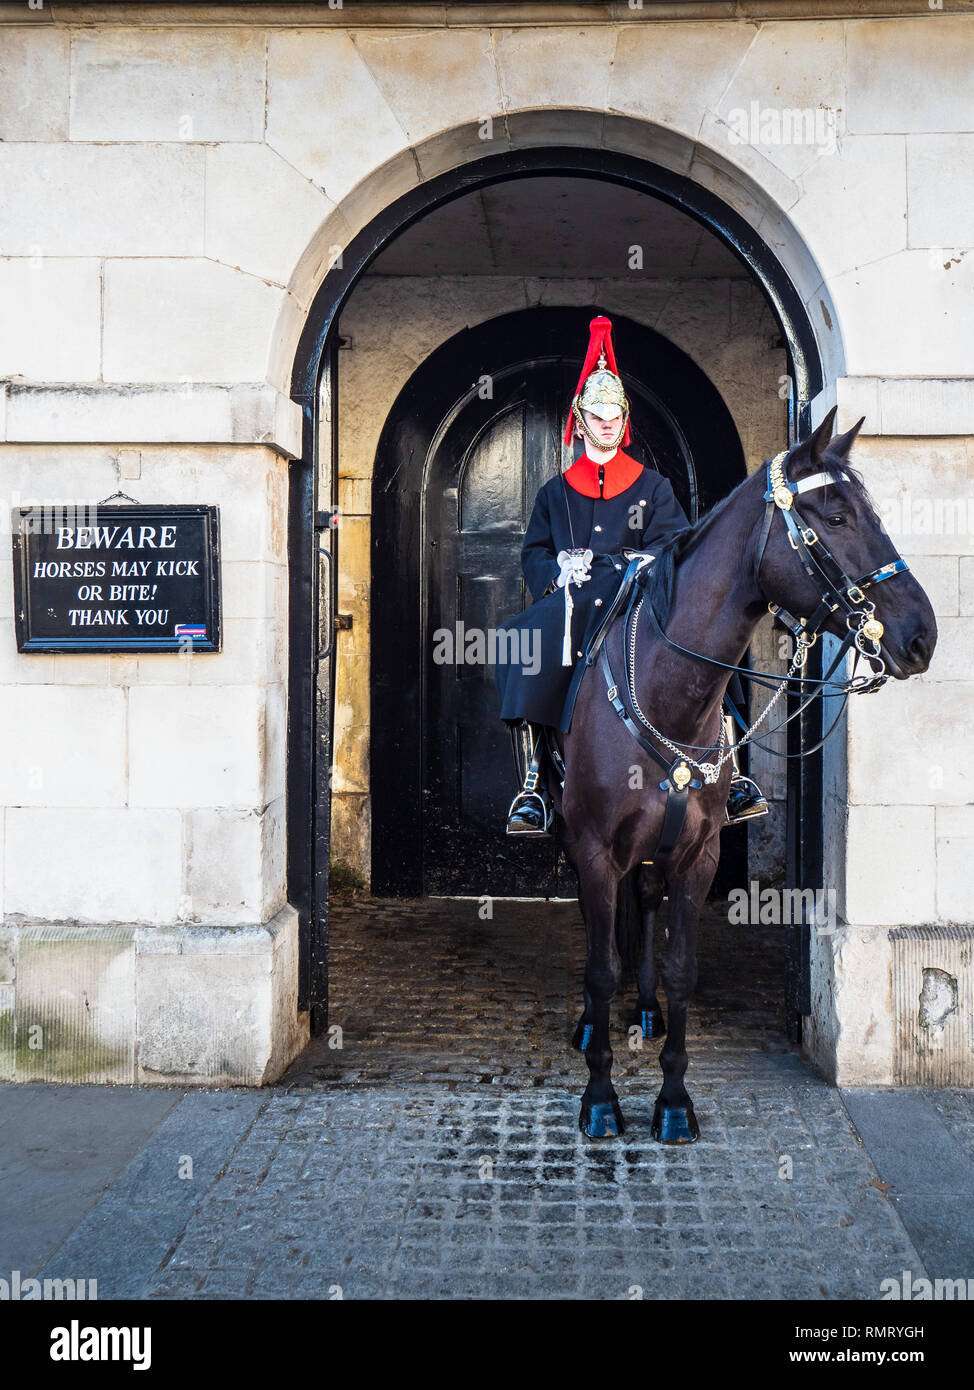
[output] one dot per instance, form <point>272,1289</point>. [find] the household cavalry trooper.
<point>583,521</point>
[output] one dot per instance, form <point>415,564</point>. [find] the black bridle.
<point>837,592</point>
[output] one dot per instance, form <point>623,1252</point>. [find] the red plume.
<point>600,340</point>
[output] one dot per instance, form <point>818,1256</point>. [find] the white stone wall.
<point>907,812</point>
<point>156,162</point>
<point>150,1005</point>
<point>143,805</point>
<point>173,187</point>
<point>150,788</point>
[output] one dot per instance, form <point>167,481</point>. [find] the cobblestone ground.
<point>437,1155</point>
<point>427,991</point>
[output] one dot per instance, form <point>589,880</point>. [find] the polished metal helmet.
<point>600,389</point>
<point>604,394</point>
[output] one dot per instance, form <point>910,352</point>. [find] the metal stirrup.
<point>529,789</point>
<point>525,796</point>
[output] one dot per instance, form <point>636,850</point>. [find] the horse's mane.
<point>657,579</point>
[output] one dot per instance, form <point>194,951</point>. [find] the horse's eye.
<point>835,520</point>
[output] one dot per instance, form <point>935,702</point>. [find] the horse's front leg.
<point>673,1119</point>
<point>649,1015</point>
<point>586,1024</point>
<point>598,886</point>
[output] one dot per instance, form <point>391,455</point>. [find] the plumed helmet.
<point>600,387</point>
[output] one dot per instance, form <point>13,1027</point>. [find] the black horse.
<point>706,593</point>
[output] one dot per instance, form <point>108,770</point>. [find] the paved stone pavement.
<point>923,1143</point>
<point>436,1153</point>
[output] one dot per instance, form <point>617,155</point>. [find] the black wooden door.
<point>481,484</point>
<point>471,439</point>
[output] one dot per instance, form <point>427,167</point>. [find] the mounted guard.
<point>592,530</point>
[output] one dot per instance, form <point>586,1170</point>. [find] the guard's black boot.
<point>744,800</point>
<point>530,812</point>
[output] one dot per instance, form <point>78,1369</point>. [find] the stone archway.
<point>697,177</point>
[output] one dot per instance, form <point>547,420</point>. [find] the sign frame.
<point>131,513</point>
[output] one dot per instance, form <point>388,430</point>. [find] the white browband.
<point>806,484</point>
<point>816,480</point>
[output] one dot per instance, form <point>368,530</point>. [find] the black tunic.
<point>642,517</point>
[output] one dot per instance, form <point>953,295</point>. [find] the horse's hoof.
<point>675,1124</point>
<point>652,1023</point>
<point>582,1035</point>
<point>601,1120</point>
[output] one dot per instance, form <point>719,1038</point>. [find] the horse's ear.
<point>811,451</point>
<point>818,441</point>
<point>842,443</point>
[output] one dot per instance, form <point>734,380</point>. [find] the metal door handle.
<point>326,555</point>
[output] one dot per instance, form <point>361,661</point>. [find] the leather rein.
<point>837,592</point>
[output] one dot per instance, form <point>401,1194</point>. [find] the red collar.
<point>621,472</point>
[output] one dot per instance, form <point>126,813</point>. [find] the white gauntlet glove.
<point>575,567</point>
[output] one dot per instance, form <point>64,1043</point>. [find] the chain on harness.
<point>710,771</point>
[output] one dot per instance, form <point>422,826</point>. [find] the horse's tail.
<point>629,921</point>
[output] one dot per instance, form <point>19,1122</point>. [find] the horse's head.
<point>840,515</point>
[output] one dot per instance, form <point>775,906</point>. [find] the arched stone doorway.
<point>315,381</point>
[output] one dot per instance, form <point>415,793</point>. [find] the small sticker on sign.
<point>190,629</point>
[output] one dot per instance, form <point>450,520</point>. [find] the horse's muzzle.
<point>911,658</point>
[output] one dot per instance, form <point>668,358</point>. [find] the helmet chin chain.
<point>599,444</point>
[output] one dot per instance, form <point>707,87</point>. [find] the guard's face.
<point>604,430</point>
